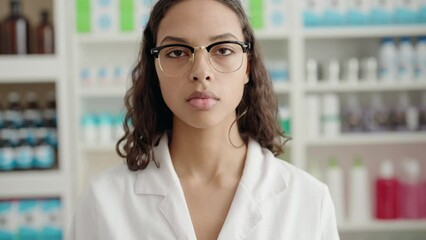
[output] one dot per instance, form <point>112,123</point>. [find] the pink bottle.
<point>387,192</point>
<point>424,200</point>
<point>411,190</point>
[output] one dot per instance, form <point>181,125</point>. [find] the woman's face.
<point>201,97</point>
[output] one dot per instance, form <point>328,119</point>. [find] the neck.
<point>207,154</point>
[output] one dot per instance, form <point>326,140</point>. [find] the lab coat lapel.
<point>260,182</point>
<point>243,216</point>
<point>176,212</point>
<point>164,182</point>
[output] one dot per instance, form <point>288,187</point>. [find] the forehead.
<point>197,21</point>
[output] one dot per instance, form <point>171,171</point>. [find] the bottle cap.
<point>332,163</point>
<point>31,97</point>
<point>387,40</point>
<point>405,39</point>
<point>386,169</point>
<point>411,168</point>
<point>13,97</point>
<point>357,162</point>
<point>403,100</point>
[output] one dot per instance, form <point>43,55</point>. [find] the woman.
<point>200,139</point>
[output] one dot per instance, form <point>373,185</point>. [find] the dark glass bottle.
<point>50,120</point>
<point>2,110</point>
<point>45,36</point>
<point>32,117</point>
<point>16,31</point>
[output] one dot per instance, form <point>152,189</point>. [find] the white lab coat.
<point>274,200</point>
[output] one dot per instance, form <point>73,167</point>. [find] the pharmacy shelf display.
<point>36,68</point>
<point>103,58</point>
<point>346,87</point>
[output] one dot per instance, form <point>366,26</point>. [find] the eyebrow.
<point>212,38</point>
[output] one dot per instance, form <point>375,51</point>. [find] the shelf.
<point>282,87</point>
<point>367,86</point>
<point>392,225</point>
<point>271,34</point>
<point>370,139</point>
<point>29,68</point>
<point>96,149</point>
<point>103,92</point>
<point>365,32</point>
<point>32,183</point>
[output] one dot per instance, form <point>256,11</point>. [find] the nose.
<point>201,68</point>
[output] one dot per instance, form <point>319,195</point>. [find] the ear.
<point>247,77</point>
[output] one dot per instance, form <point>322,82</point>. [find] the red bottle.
<point>45,36</point>
<point>15,31</point>
<point>387,193</point>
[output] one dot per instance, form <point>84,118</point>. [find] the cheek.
<point>234,91</point>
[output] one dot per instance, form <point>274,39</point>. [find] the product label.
<point>83,17</point>
<point>126,15</point>
<point>256,14</point>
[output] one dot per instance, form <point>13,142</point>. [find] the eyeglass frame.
<point>246,46</point>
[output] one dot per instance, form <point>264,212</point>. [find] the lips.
<point>202,100</point>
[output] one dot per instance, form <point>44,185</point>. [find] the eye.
<point>176,52</point>
<point>224,51</point>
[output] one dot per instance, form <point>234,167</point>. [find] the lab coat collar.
<point>260,181</point>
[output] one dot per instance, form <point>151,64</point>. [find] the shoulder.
<point>295,178</point>
<point>266,175</point>
<point>113,180</point>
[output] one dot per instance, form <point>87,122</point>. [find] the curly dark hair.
<point>148,116</point>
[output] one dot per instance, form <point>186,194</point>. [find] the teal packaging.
<point>334,13</point>
<point>332,17</point>
<point>7,153</point>
<point>380,17</point>
<point>421,14</point>
<point>24,155</point>
<point>405,15</point>
<point>52,224</point>
<point>311,19</point>
<point>44,156</point>
<point>311,14</point>
<point>28,220</point>
<point>44,152</point>
<point>356,18</point>
<point>357,13</point>
<point>7,231</point>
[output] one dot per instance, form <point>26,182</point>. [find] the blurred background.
<point>349,76</point>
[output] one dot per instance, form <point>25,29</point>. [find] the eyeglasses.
<point>176,59</point>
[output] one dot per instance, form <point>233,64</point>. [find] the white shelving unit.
<point>32,70</point>
<point>363,32</point>
<point>385,226</point>
<point>37,68</point>
<point>368,86</point>
<point>296,43</point>
<point>355,139</point>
